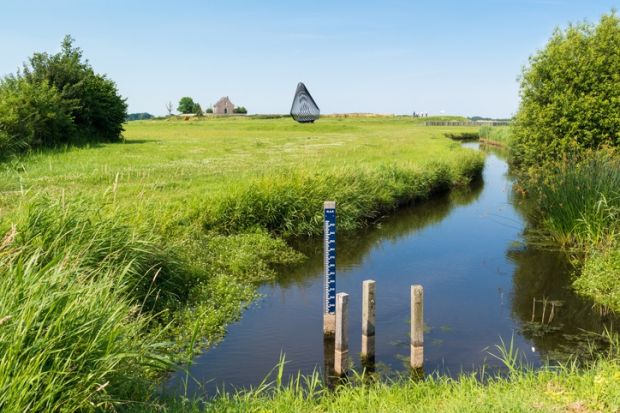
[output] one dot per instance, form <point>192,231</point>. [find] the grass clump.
<point>464,136</point>
<point>600,278</point>
<point>70,340</point>
<point>578,201</point>
<point>153,274</point>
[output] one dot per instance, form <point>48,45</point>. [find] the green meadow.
<point>169,164</point>
<point>120,261</point>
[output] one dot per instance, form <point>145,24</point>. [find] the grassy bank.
<point>566,388</point>
<point>578,208</point>
<point>495,135</point>
<point>135,255</point>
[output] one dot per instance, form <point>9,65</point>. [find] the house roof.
<point>223,100</point>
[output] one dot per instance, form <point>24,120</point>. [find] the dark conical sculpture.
<point>304,109</point>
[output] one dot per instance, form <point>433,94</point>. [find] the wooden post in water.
<point>417,326</point>
<point>329,268</point>
<point>368,322</point>
<point>342,334</point>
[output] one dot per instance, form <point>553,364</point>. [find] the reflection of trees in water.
<point>550,313</point>
<point>353,247</point>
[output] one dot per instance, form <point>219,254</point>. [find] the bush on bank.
<point>570,95</point>
<point>564,144</point>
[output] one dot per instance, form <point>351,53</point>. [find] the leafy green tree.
<point>240,109</point>
<point>198,109</point>
<point>209,110</point>
<point>97,109</point>
<point>186,105</point>
<point>570,94</point>
<point>58,99</point>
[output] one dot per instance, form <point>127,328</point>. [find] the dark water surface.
<point>479,278</point>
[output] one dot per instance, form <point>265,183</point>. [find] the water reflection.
<point>353,248</point>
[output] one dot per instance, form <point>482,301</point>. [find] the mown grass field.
<point>135,255</point>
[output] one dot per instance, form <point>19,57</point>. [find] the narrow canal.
<point>480,280</point>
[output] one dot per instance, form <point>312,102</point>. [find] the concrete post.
<point>368,321</point>
<point>342,334</point>
<point>417,326</point>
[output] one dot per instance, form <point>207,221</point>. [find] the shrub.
<point>32,114</point>
<point>570,94</point>
<point>58,99</point>
<point>96,107</point>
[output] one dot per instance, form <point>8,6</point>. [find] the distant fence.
<point>457,123</point>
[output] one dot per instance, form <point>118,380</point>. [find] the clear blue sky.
<point>457,57</point>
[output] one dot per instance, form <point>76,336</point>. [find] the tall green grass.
<point>70,340</point>
<point>496,134</point>
<point>290,204</point>
<point>153,273</point>
<point>95,308</point>
<point>578,201</point>
<point>600,278</point>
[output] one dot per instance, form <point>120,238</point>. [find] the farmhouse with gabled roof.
<point>223,106</point>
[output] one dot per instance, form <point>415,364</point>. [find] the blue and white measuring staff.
<point>329,254</point>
